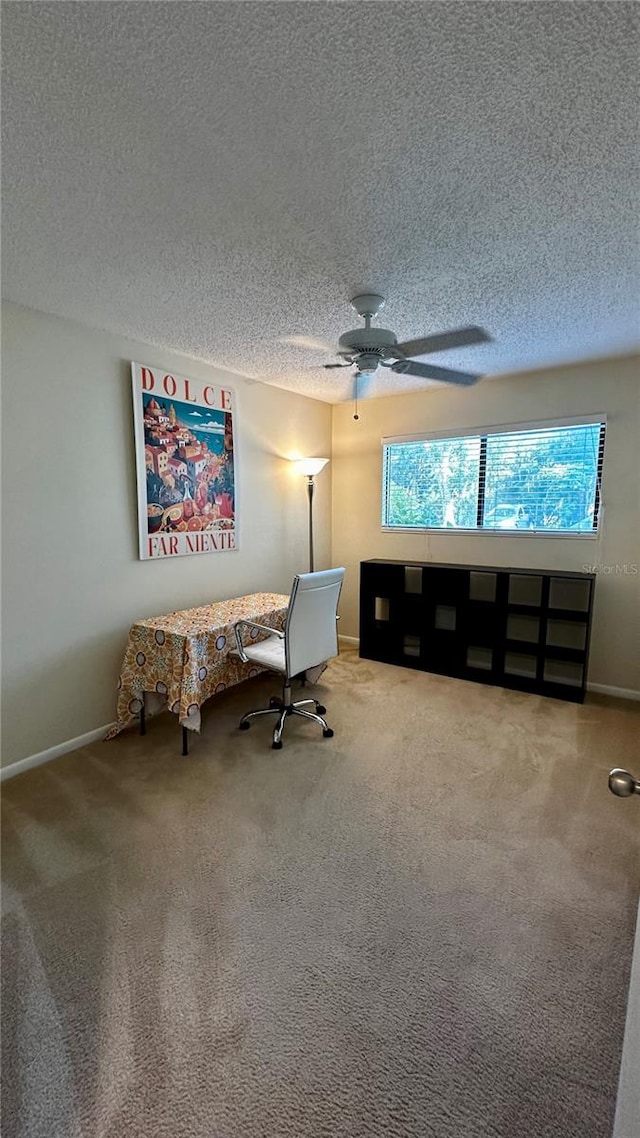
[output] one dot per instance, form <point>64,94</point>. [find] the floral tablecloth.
<point>183,658</point>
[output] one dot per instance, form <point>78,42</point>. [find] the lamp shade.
<point>309,466</point>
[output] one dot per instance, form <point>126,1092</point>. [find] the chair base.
<point>283,708</point>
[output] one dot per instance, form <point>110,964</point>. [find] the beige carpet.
<point>421,927</point>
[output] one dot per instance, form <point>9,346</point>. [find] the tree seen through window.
<point>544,479</point>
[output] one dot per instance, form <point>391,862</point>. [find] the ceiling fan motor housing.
<point>367,347</point>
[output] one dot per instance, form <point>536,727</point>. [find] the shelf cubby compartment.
<point>569,593</point>
<point>525,628</point>
<point>446,618</point>
<point>566,672</point>
<point>566,634</point>
<point>520,664</point>
<point>478,657</point>
<point>381,610</point>
<point>482,586</point>
<point>521,626</point>
<point>413,579</point>
<point>525,590</point>
<point>411,645</point>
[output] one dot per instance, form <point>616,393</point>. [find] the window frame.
<point>388,441</point>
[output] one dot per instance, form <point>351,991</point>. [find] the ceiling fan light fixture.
<point>367,363</point>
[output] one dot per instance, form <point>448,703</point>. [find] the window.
<point>542,479</point>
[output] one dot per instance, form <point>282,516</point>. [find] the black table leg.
<point>185,741</point>
<point>143,719</point>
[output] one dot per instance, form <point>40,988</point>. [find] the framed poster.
<point>184,464</point>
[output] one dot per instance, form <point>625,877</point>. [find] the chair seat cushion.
<point>267,653</point>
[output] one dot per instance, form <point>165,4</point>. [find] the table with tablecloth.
<point>181,659</point>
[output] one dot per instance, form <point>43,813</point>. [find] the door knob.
<point>623,783</point>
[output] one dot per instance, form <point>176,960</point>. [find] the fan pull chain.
<point>356,415</point>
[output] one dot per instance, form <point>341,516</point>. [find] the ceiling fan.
<point>367,348</point>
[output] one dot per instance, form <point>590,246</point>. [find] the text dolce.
<point>186,390</point>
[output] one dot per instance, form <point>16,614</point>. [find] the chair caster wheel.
<point>275,702</point>
<point>320,709</point>
<point>244,726</point>
<point>328,734</point>
<point>276,746</point>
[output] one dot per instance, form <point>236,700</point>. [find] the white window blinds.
<point>545,479</point>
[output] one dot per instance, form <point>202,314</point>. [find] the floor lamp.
<point>310,467</point>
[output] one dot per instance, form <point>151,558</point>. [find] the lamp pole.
<point>310,467</point>
<point>310,489</point>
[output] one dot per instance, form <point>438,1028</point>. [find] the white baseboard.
<point>349,640</point>
<point>619,693</point>
<point>54,752</point>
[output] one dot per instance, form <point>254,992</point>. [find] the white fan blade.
<point>309,343</point>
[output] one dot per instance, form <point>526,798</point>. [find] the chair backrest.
<point>310,630</point>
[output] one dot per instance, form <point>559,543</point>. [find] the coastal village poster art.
<point>185,464</point>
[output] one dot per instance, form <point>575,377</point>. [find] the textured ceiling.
<point>212,177</point>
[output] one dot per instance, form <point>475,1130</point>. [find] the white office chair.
<point>309,638</point>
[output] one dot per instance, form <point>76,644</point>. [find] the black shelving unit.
<point>527,629</point>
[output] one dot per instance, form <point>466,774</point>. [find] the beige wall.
<point>609,386</point>
<point>72,581</point>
